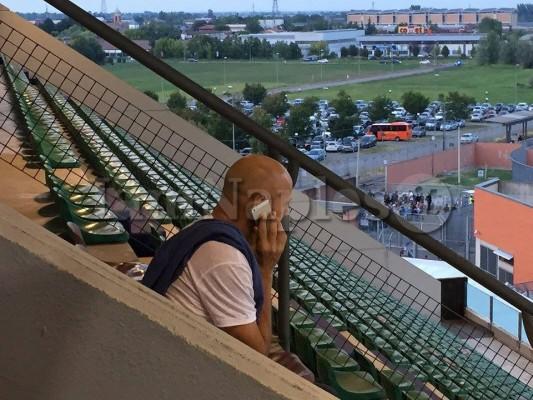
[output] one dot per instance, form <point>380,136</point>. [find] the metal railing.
<point>336,182</point>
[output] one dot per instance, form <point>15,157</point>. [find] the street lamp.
<point>321,64</point>
<point>432,155</point>
<point>386,163</point>
<point>357,163</point>
<point>277,69</point>
<point>225,58</point>
<point>459,155</point>
<point>516,83</point>
<point>486,96</point>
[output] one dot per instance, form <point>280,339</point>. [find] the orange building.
<point>507,16</point>
<point>503,222</point>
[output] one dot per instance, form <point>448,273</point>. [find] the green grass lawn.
<point>469,177</point>
<point>232,75</point>
<point>471,79</point>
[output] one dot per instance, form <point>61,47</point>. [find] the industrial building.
<point>468,16</point>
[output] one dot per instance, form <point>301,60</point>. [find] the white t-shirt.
<point>217,285</point>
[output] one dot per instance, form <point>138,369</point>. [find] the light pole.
<point>516,83</point>
<point>459,155</point>
<point>432,155</point>
<point>486,96</point>
<point>321,65</point>
<point>233,135</point>
<point>277,69</point>
<point>225,58</point>
<point>386,163</point>
<point>357,163</point>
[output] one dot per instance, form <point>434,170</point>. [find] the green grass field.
<point>497,80</point>
<point>232,75</point>
<point>469,177</point>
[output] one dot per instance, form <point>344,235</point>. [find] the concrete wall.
<point>74,328</point>
<point>492,155</point>
<point>506,224</point>
<point>529,157</point>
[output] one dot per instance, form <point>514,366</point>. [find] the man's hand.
<point>269,241</point>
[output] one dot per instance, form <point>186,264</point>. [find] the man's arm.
<point>268,242</point>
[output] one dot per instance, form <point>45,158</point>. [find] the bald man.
<point>228,280</point>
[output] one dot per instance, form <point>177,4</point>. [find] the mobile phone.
<point>261,210</point>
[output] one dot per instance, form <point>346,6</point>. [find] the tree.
<point>364,52</point>
<point>381,108</point>
<point>456,105</point>
<point>168,48</point>
<point>344,104</point>
<point>298,121</point>
<point>509,51</point>
<point>254,92</point>
<point>353,50</point>
<point>89,47</point>
<point>152,94</point>
<point>378,53</point>
<point>265,120</point>
<point>488,50</point>
<point>253,26</point>
<point>445,52</point>
<point>415,7</point>
<point>414,102</point>
<point>525,54</point>
<point>319,48</point>
<point>370,28</point>
<point>488,25</point>
<point>342,126</point>
<point>48,26</point>
<point>276,104</point>
<point>344,52</point>
<point>414,49</point>
<point>176,102</point>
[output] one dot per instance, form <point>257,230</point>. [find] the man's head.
<point>250,181</point>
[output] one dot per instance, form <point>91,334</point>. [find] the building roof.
<point>512,118</point>
<point>433,10</point>
<point>437,37</point>
<point>106,46</point>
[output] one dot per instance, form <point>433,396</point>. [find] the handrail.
<point>291,153</point>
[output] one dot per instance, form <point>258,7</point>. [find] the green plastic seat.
<point>102,233</point>
<point>333,359</point>
<point>356,385</point>
<point>306,340</point>
<point>394,383</point>
<point>414,395</point>
<point>365,364</point>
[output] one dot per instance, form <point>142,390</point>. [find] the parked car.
<point>419,131</point>
<point>461,123</point>
<point>245,151</point>
<point>192,60</point>
<point>367,141</point>
<point>476,117</point>
<point>467,138</point>
<point>358,130</point>
<point>432,124</point>
<point>522,107</point>
<point>349,145</point>
<point>449,126</point>
<point>332,146</point>
<point>425,62</point>
<point>323,61</point>
<point>317,154</point>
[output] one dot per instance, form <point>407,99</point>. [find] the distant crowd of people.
<point>408,203</point>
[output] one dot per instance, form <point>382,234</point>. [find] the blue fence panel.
<point>506,317</point>
<point>478,301</point>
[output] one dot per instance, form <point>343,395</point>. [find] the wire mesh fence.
<point>118,174</point>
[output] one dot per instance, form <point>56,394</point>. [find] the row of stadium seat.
<point>410,341</point>
<point>81,204</point>
<point>47,135</point>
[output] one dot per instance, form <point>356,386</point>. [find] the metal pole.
<point>491,310</point>
<point>386,174</point>
<point>233,134</point>
<point>284,331</point>
<point>315,168</point>
<point>459,156</point>
<point>357,163</point>
<point>467,237</point>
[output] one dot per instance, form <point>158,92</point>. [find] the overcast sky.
<point>260,5</point>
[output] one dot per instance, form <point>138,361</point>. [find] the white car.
<point>467,138</point>
<point>333,146</point>
<point>323,61</point>
<point>522,107</point>
<point>425,62</point>
<point>476,117</point>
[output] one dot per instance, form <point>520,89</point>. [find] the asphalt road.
<point>372,160</point>
<point>388,75</point>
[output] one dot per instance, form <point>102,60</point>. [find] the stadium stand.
<point>364,330</point>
